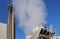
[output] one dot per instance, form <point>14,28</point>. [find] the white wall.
<point>58,37</point>
<point>3,31</point>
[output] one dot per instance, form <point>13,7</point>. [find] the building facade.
<point>3,31</point>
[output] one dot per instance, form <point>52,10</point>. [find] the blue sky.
<point>53,10</point>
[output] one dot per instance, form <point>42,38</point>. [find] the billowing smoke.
<point>30,13</point>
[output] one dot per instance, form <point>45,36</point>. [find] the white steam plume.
<point>30,13</point>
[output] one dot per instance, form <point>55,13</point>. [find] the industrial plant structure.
<point>11,26</point>
<point>3,31</point>
<point>43,31</point>
<point>7,30</point>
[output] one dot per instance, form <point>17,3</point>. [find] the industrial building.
<point>3,31</point>
<point>7,30</point>
<point>43,31</point>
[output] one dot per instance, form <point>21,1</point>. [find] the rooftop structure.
<point>42,31</point>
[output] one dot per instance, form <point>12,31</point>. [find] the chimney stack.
<point>11,25</point>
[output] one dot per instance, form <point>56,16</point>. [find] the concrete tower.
<point>10,22</point>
